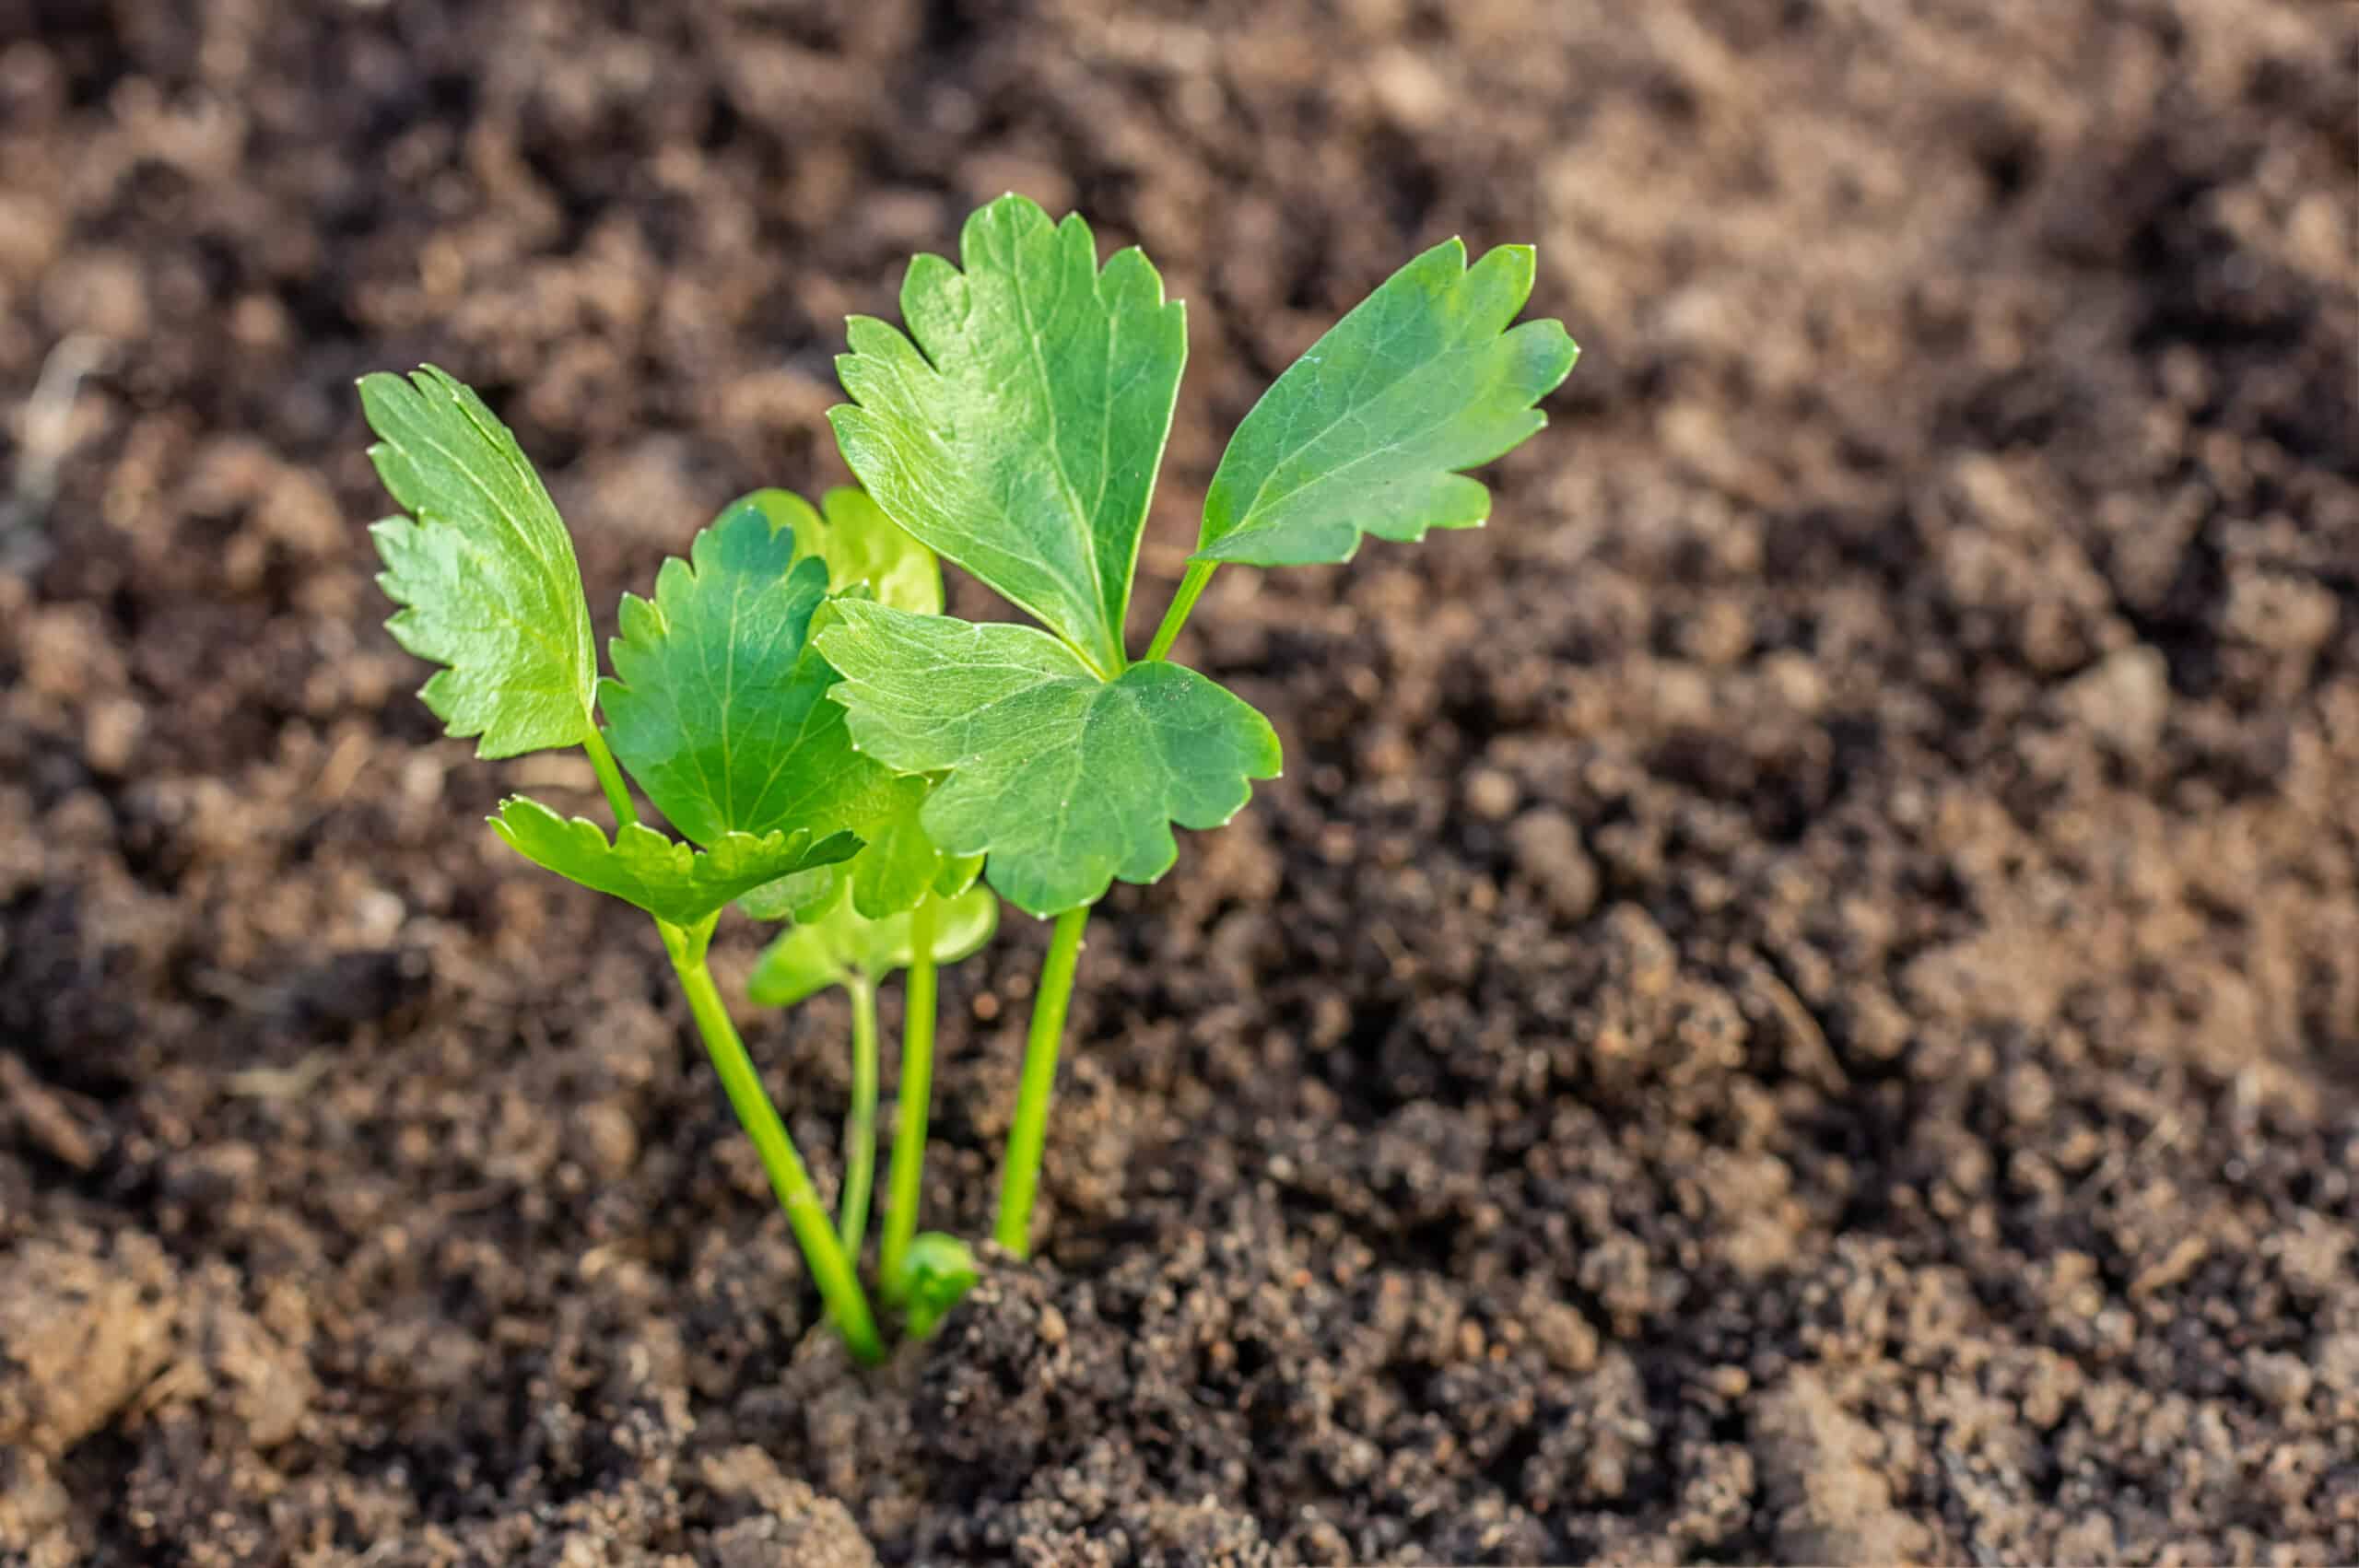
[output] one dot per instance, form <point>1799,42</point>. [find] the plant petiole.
<point>1028,1135</point>
<point>906,1177</point>
<point>838,1283</point>
<point>860,1126</point>
<point>610,777</point>
<point>1183,600</point>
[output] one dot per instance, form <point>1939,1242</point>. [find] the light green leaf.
<point>1023,441</point>
<point>901,863</point>
<point>799,897</point>
<point>719,706</point>
<point>481,566</point>
<point>1367,431</point>
<point>672,881</point>
<point>859,544</point>
<point>897,866</point>
<point>1064,781</point>
<point>837,944</point>
<point>956,875</point>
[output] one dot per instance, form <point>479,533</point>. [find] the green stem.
<point>610,777</point>
<point>906,1177</point>
<point>838,1285</point>
<point>1020,1177</point>
<point>1191,588</point>
<point>860,1130</point>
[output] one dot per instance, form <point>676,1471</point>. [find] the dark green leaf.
<point>1023,441</point>
<point>1064,781</point>
<point>719,708</point>
<point>1367,431</point>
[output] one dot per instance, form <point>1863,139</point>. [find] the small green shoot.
<point>840,946</point>
<point>940,1270</point>
<point>1014,425</point>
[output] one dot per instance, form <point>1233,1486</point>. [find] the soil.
<point>1799,998</point>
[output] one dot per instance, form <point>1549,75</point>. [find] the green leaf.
<point>481,566</point>
<point>672,881</point>
<point>867,554</point>
<point>1367,431</point>
<point>957,873</point>
<point>1023,441</point>
<point>897,866</point>
<point>837,944</point>
<point>861,545</point>
<point>1066,781</point>
<point>901,863</point>
<point>719,706</point>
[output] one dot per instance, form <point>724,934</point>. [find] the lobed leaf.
<point>862,546</point>
<point>719,706</point>
<point>837,944</point>
<point>898,865</point>
<point>1367,431</point>
<point>672,881</point>
<point>866,554</point>
<point>902,863</point>
<point>1020,432</point>
<point>1064,781</point>
<point>481,566</point>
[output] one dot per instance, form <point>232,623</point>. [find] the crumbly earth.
<point>1799,998</point>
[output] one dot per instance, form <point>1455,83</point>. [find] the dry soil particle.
<point>80,1335</point>
<point>1799,995</point>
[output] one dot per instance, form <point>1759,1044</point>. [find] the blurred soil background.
<point>1799,998</point>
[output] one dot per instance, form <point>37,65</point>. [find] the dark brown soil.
<point>1799,998</point>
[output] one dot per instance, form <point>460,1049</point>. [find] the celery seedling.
<point>1017,428</point>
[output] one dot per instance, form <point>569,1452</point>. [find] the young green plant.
<point>718,709</point>
<point>1015,425</point>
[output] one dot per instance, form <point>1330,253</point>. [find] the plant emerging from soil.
<point>1016,428</point>
<point>834,751</point>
